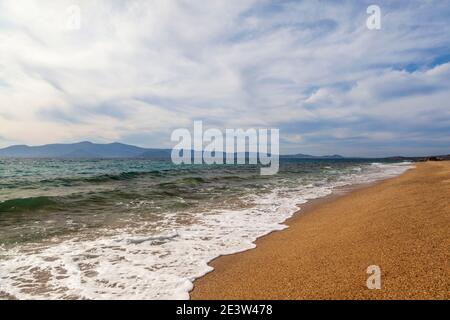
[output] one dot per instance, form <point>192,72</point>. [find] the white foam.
<point>157,261</point>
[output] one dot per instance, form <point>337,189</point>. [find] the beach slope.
<point>401,225</point>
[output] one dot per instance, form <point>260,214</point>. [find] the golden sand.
<point>401,224</point>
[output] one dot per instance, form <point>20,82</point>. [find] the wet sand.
<point>401,225</point>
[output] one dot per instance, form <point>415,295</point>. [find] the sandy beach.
<point>400,224</point>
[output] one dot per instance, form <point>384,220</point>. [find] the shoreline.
<point>303,209</point>
<point>230,278</point>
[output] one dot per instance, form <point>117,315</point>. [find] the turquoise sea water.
<point>145,229</point>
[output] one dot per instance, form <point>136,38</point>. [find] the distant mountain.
<point>89,150</point>
<point>74,150</point>
<point>421,158</point>
<point>307,156</point>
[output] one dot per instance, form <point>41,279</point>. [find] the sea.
<point>146,229</point>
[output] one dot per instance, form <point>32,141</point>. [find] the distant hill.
<point>89,150</point>
<point>307,156</point>
<point>422,158</point>
<point>78,150</point>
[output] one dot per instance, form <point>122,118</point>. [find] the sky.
<point>134,71</point>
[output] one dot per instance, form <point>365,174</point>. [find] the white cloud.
<point>146,67</point>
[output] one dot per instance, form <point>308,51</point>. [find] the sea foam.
<point>131,264</point>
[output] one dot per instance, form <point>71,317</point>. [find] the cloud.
<point>138,69</point>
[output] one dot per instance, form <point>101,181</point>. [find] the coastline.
<point>166,243</point>
<point>400,224</point>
